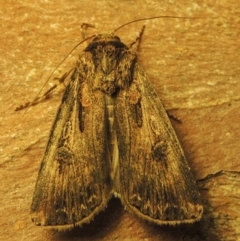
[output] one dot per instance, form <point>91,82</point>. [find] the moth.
<point>112,137</point>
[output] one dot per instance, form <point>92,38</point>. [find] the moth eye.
<point>99,48</point>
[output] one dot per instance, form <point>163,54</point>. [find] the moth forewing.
<point>73,183</point>
<point>157,184</point>
<point>111,136</point>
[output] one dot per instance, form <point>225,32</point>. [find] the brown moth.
<point>112,137</point>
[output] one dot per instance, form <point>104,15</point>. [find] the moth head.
<point>106,37</point>
<point>104,40</point>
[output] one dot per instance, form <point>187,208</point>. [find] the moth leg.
<point>84,27</point>
<point>47,94</point>
<point>173,117</point>
<point>138,39</point>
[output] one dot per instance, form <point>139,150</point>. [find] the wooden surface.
<point>194,65</point>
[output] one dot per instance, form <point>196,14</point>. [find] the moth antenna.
<point>143,19</point>
<point>62,62</point>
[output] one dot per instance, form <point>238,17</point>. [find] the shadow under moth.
<point>112,136</point>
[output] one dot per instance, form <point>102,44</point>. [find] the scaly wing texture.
<point>73,183</point>
<point>156,182</point>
